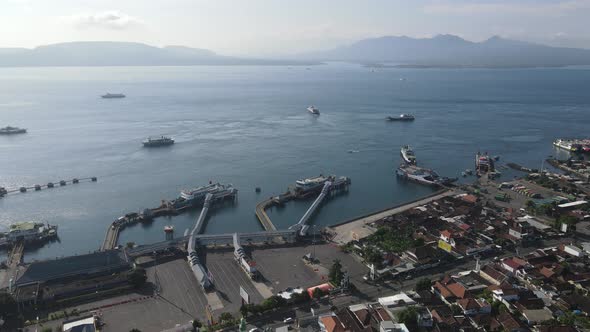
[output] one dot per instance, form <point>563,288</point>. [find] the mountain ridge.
<point>449,50</point>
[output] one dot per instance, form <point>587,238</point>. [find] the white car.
<point>288,320</point>
<point>254,330</point>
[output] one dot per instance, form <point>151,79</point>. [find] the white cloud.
<point>509,7</point>
<point>109,19</point>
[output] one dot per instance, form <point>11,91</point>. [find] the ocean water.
<point>249,126</point>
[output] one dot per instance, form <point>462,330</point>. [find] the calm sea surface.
<point>248,126</point>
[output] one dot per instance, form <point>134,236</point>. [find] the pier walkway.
<point>16,255</point>
<point>262,216</point>
<point>261,238</point>
<point>302,224</point>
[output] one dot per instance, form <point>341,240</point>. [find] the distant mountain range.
<point>453,51</point>
<point>439,51</point>
<point>123,54</point>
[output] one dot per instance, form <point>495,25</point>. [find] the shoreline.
<point>343,230</point>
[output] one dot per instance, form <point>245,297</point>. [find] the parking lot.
<point>179,300</point>
<point>227,278</point>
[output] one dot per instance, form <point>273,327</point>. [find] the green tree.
<point>317,293</point>
<point>47,329</point>
<point>335,274</point>
<point>530,206</point>
<point>423,284</point>
<point>196,324</point>
<point>137,277</point>
<point>408,316</point>
<point>300,297</point>
<point>130,245</point>
<point>244,310</point>
<point>226,317</point>
<point>7,304</point>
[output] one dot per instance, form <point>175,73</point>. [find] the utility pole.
<point>313,241</point>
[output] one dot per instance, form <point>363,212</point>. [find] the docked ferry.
<point>311,183</point>
<point>401,117</point>
<point>313,110</point>
<point>567,144</point>
<point>113,95</point>
<point>12,130</point>
<point>28,232</point>
<point>408,154</point>
<point>483,164</point>
<point>200,192</point>
<point>422,175</point>
<point>159,141</point>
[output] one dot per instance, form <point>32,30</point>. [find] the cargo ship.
<point>160,141</point>
<point>401,117</point>
<point>408,154</point>
<point>12,130</point>
<point>422,175</point>
<point>28,232</point>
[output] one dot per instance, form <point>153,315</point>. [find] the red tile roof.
<point>446,233</point>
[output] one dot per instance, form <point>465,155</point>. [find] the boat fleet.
<point>408,170</point>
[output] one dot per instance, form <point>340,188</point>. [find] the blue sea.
<point>248,126</point>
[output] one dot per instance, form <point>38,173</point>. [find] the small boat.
<point>353,151</point>
<point>408,154</point>
<point>12,130</point>
<point>258,189</point>
<point>313,110</point>
<point>463,174</point>
<point>160,141</point>
<point>401,117</point>
<point>113,95</point>
<point>168,228</point>
<point>468,171</point>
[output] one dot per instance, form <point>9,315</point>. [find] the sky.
<point>283,27</point>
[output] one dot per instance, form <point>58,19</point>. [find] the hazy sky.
<point>277,27</point>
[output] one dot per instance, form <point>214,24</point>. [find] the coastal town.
<point>483,255</point>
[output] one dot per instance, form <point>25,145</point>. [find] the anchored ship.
<point>113,95</point>
<point>401,117</point>
<point>12,130</point>
<point>408,154</point>
<point>313,110</point>
<point>28,232</point>
<point>160,141</point>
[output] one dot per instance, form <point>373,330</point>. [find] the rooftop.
<point>102,261</point>
<point>23,226</point>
